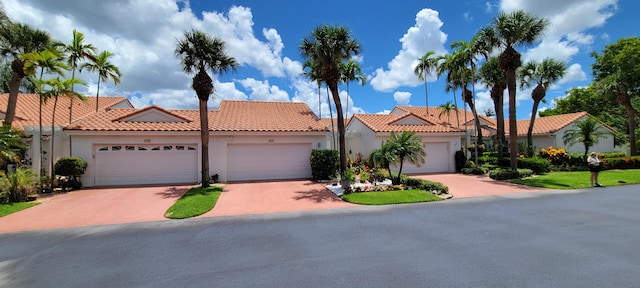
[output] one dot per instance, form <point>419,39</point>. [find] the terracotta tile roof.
<point>385,123</point>
<point>546,125</point>
<point>450,119</point>
<point>327,122</point>
<point>265,116</point>
<point>27,109</point>
<point>255,116</point>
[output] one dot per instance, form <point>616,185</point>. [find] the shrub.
<point>433,187</point>
<point>537,165</point>
<point>473,171</point>
<point>70,166</point>
<point>378,175</point>
<point>507,174</point>
<point>622,163</point>
<point>488,160</point>
<point>460,160</point>
<point>490,154</point>
<point>15,187</point>
<point>557,156</point>
<point>324,164</point>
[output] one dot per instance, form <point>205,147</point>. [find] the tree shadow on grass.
<point>317,196</point>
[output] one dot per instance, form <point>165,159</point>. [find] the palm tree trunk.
<point>319,102</point>
<point>426,95</point>
<point>498,105</point>
<point>347,110</point>
<point>204,140</point>
<point>513,129</point>
<point>625,100</point>
<point>17,68</point>
<point>97,94</point>
<point>333,130</point>
<point>530,130</point>
<point>73,86</point>
<point>399,172</point>
<point>51,144</point>
<point>336,99</point>
<point>455,102</point>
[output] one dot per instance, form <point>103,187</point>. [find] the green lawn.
<point>580,179</point>
<point>6,209</point>
<point>390,197</point>
<point>196,201</point>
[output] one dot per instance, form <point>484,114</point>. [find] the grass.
<point>390,197</point>
<point>580,179</point>
<point>196,201</point>
<point>6,209</point>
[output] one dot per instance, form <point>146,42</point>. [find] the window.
<point>130,148</point>
<point>116,148</point>
<point>103,149</point>
<point>181,148</point>
<point>191,148</point>
<point>155,149</point>
<point>140,148</point>
<point>167,148</point>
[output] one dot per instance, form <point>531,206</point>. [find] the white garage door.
<point>145,164</point>
<point>437,160</point>
<point>268,161</point>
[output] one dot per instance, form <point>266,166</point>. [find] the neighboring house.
<point>550,130</point>
<point>27,119</point>
<point>249,140</point>
<point>366,132</point>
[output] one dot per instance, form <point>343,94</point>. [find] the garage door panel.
<point>145,164</point>
<point>437,160</point>
<point>268,161</point>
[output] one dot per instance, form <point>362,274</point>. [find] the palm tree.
<point>383,157</point>
<point>492,76</point>
<point>314,75</point>
<point>588,132</point>
<point>542,74</point>
<point>467,56</point>
<point>199,52</point>
<point>351,71</point>
<point>406,146</point>
<point>489,112</point>
<point>48,60</point>
<point>445,109</point>
<point>77,51</point>
<point>17,39</point>
<point>330,46</point>
<point>447,65</point>
<point>426,65</point>
<point>105,69</point>
<point>57,88</point>
<point>11,144</point>
<point>509,30</point>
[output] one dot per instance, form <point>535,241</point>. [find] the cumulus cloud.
<point>261,90</point>
<point>424,36</point>
<point>402,98</point>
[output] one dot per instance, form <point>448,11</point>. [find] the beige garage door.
<point>438,159</point>
<point>132,164</point>
<point>268,161</point>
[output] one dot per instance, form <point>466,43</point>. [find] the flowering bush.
<point>557,156</point>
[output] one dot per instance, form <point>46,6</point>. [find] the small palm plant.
<point>17,186</point>
<point>406,146</point>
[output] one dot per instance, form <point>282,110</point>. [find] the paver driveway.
<point>465,186</point>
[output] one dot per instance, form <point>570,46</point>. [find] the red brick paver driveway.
<point>465,186</point>
<point>90,207</point>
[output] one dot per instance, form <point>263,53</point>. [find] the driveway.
<point>89,207</point>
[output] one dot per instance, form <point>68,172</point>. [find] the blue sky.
<point>264,37</point>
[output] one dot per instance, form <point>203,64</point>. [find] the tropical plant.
<point>445,109</point>
<point>542,75</point>
<point>329,47</point>
<point>492,76</point>
<point>351,71</point>
<point>406,146</point>
<point>587,131</point>
<point>11,144</point>
<point>105,69</point>
<point>426,65</point>
<point>77,51</point>
<point>466,53</point>
<point>383,157</point>
<point>314,74</point>
<point>509,30</point>
<point>17,186</point>
<point>617,74</point>
<point>447,65</point>
<point>17,39</point>
<point>54,88</point>
<point>489,112</point>
<point>199,52</point>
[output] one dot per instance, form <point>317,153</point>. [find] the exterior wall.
<point>35,152</point>
<point>605,144</point>
<point>363,140</point>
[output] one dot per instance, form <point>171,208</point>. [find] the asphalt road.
<point>584,238</point>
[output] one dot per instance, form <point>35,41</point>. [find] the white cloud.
<point>402,98</point>
<point>574,73</point>
<point>424,36</point>
<point>261,90</point>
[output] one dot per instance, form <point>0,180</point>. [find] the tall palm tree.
<point>49,60</point>
<point>587,131</point>
<point>406,146</point>
<point>492,76</point>
<point>330,46</point>
<point>54,88</point>
<point>508,31</point>
<point>426,65</point>
<point>314,75</point>
<point>445,109</point>
<point>17,39</point>
<point>447,65</point>
<point>351,71</point>
<point>199,52</point>
<point>77,51</point>
<point>105,69</point>
<point>542,74</point>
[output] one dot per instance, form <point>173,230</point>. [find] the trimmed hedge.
<point>537,165</point>
<point>473,171</point>
<point>427,185</point>
<point>324,164</point>
<point>507,174</point>
<point>622,163</point>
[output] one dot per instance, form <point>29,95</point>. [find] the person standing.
<point>594,167</point>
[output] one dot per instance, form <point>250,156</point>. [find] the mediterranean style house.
<point>249,140</point>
